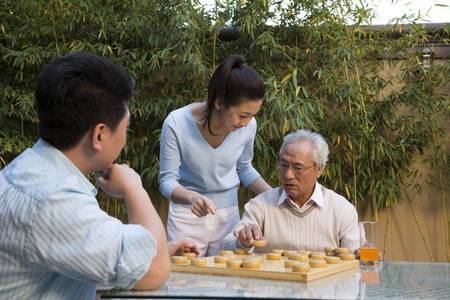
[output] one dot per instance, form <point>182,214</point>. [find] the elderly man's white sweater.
<point>326,220</point>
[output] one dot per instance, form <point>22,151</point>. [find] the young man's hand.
<point>119,180</point>
<point>178,247</point>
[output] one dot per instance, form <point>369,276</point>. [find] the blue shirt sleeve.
<point>170,158</point>
<point>78,240</point>
<point>246,171</point>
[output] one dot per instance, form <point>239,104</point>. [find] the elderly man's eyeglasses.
<point>284,166</point>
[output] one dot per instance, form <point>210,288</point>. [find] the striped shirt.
<point>325,220</point>
<point>55,241</point>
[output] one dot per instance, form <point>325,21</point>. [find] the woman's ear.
<point>218,103</point>
<point>98,136</point>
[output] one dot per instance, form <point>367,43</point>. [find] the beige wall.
<point>416,231</point>
<point>400,228</point>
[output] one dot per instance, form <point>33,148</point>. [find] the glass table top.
<point>407,280</point>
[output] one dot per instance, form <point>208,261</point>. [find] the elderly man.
<point>301,214</point>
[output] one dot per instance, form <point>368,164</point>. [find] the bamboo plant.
<point>324,70</point>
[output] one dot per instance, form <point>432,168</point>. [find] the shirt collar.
<point>55,157</point>
<point>316,196</point>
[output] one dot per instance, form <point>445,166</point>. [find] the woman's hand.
<point>202,206</point>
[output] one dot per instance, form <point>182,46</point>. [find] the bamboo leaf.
<point>286,78</point>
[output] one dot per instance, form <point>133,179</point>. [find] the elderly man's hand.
<point>247,234</point>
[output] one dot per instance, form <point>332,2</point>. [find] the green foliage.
<point>324,71</point>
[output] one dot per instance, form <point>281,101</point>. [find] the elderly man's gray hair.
<point>320,151</point>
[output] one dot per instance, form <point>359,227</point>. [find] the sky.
<point>386,10</point>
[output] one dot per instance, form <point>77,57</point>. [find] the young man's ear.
<point>98,135</point>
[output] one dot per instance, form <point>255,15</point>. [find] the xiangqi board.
<point>269,269</point>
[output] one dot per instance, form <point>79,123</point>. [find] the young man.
<point>55,241</point>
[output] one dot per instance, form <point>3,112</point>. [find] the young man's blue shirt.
<point>55,241</point>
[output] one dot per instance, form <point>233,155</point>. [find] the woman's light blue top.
<point>186,159</point>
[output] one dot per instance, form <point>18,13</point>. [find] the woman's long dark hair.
<point>232,83</point>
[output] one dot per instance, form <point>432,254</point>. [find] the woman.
<point>206,151</point>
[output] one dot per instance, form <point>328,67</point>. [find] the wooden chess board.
<point>270,269</point>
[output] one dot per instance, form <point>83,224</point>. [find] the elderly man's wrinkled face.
<point>298,173</point>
